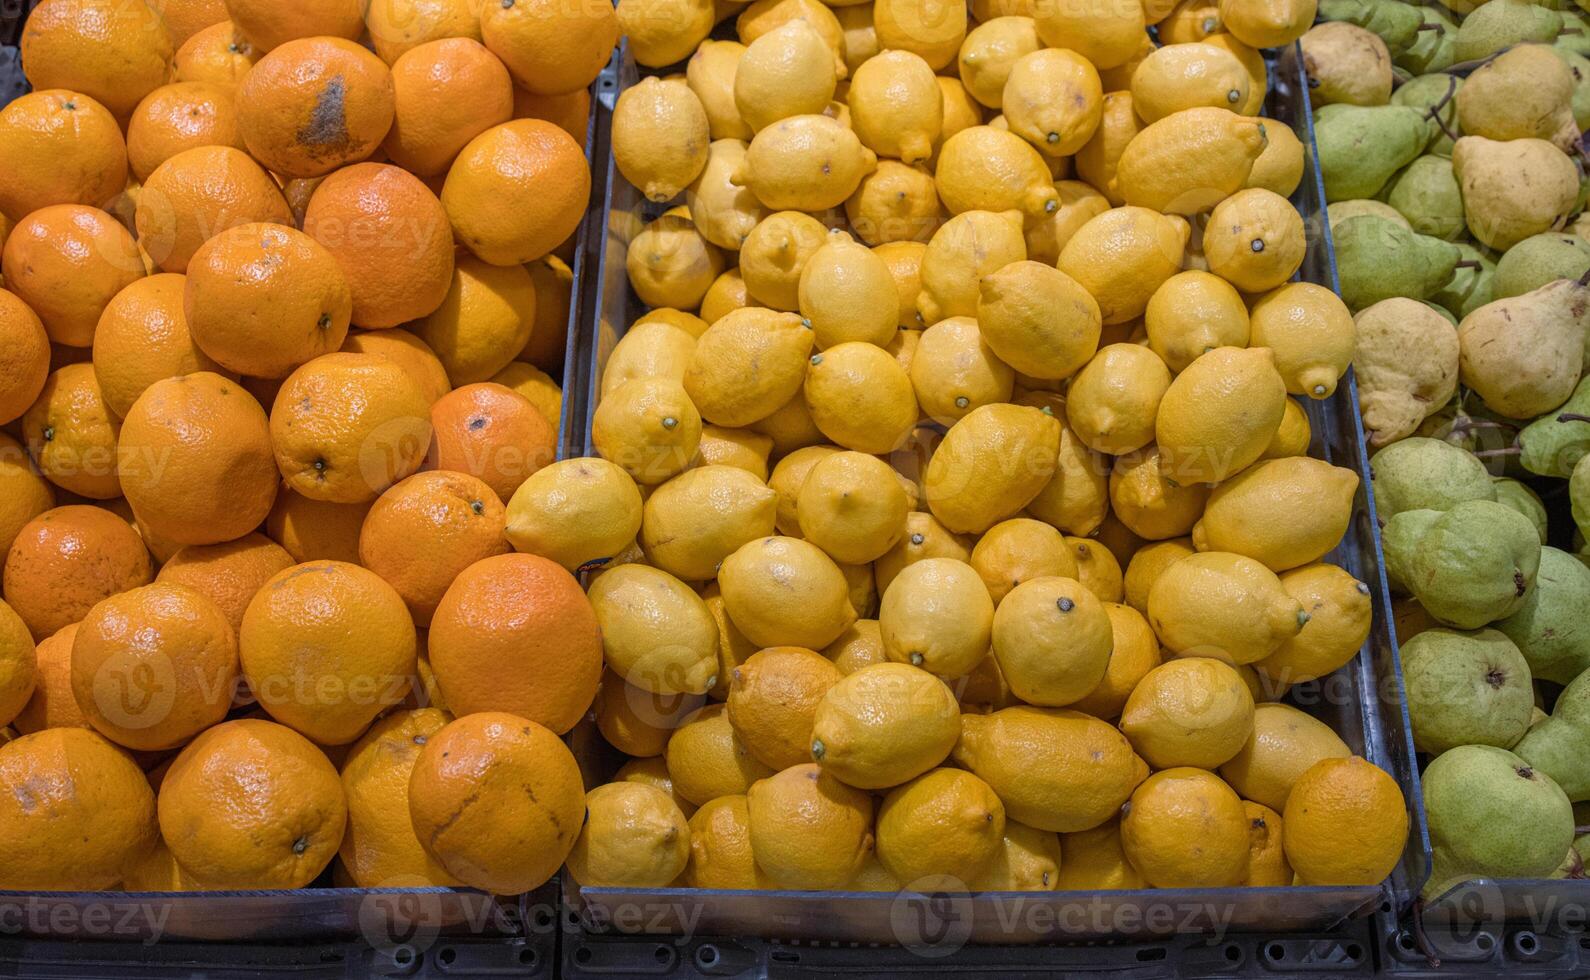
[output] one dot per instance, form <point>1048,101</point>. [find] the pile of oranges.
<point>281,288</point>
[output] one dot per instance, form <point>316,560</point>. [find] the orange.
<point>491,432</point>
<point>569,111</point>
<point>423,532</point>
<point>298,192</point>
<point>75,812</point>
<point>380,849</point>
<point>515,633</point>
<point>52,704</point>
<point>196,460</point>
<point>311,530</point>
<point>66,560</point>
<point>498,801</point>
<point>636,721</point>
<point>219,54</point>
<point>66,262</point>
<point>270,23</point>
<point>486,319</point>
<point>228,574</point>
<point>252,804</point>
<point>409,352</point>
<point>153,667</point>
<point>447,93</point>
<point>397,26</point>
<point>391,237</point>
<point>142,338</point>
<point>314,104</point>
<point>178,117</point>
<point>24,493</point>
<point>58,147</point>
<point>157,871</point>
<point>263,299</point>
<point>185,18</point>
<point>116,51</point>
<point>72,436</point>
<point>24,356</point>
<point>347,426</point>
<point>18,664</point>
<point>1345,823</point>
<point>327,647</point>
<point>551,46</point>
<point>517,191</point>
<point>554,282</point>
<point>198,194</point>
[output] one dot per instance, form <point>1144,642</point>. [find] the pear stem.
<point>1435,111</point>
<point>1467,264</point>
<point>1472,423</point>
<point>1581,831</point>
<point>1432,27</point>
<point>1421,940</point>
<point>1573,417</point>
<point>1583,280</point>
<point>1488,453</point>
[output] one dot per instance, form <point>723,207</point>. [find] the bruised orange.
<point>66,560</point>
<point>199,193</point>
<point>178,117</point>
<point>58,147</point>
<point>116,51</point>
<point>447,92</point>
<point>228,574</point>
<point>72,435</point>
<point>66,262</point>
<point>491,432</point>
<point>314,104</point>
<point>142,338</point>
<point>517,191</point>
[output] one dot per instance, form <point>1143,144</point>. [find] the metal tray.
<point>1362,701</point>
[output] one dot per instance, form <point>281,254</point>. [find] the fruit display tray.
<point>1363,701</point>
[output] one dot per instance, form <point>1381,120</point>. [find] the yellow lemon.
<point>789,475</point>
<point>656,632</point>
<point>1018,550</point>
<point>982,168</point>
<point>727,293</point>
<point>1133,653</point>
<point>633,837</point>
<point>936,614</point>
<point>1053,99</point>
<point>1311,332</point>
<point>772,699</point>
<point>990,465</point>
<point>670,263</point>
<point>773,255</point>
<point>740,448</point>
<point>733,648</point>
<point>785,592</point>
<point>1267,23</point>
<point>1094,860</point>
<point>969,245</point>
<point>703,515</point>
<point>706,759</point>
<point>896,107</point>
<point>638,722</point>
<point>789,71</point>
<point>1190,21</point>
<point>1122,255</point>
<point>1114,400</point>
<point>1076,498</point>
<point>953,371</point>
<point>1052,639</point>
<point>1189,712</point>
<point>1294,435</point>
<point>747,365</point>
<point>1107,34</point>
<point>1267,867</point>
<point>720,847</point>
<point>924,538</point>
<point>860,397</point>
<point>805,163</point>
<point>710,74</point>
<point>931,29</point>
<point>1280,167</point>
<point>904,259</point>
<point>1183,76</point>
<point>1147,564</point>
<point>1338,609</point>
<point>808,829</point>
<point>1219,414</point>
<point>1097,568</point>
<point>1346,823</point>
<point>940,830</point>
<point>896,203</point>
<point>1097,159</point>
<point>884,724</point>
<point>1029,861</point>
<point>660,136</point>
<point>790,428</point>
<point>661,33</point>
<point>722,211</point>
<point>988,53</point>
<point>763,16</point>
<point>1192,313</point>
<point>1038,320</point>
<point>687,322</point>
<point>847,294</point>
<point>1148,504</point>
<point>852,506</point>
<point>1189,161</point>
<point>1186,829</point>
<point>861,645</point>
<point>1253,62</point>
<point>1221,605</point>
<point>649,427</point>
<point>1255,240</point>
<point>1078,203</point>
<point>1283,512</point>
<point>577,512</point>
<point>1284,743</point>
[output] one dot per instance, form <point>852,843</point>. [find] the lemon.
<point>789,71</point>
<point>1054,769</point>
<point>1192,313</point>
<point>1052,638</point>
<point>1311,332</point>
<point>1255,240</point>
<point>656,632</point>
<point>1280,167</point>
<point>774,253</point>
<point>1078,203</point>
<point>698,518</point>
<point>1190,160</point>
<point>1097,159</point>
<point>1189,712</point>
<point>860,645</point>
<point>720,847</point>
<point>884,724</point>
<point>1134,652</point>
<point>1019,550</point>
<point>657,349</point>
<point>1267,866</point>
<point>784,591</point>
<point>982,168</point>
<point>1149,505</point>
<point>990,465</point>
<point>903,348</point>
<point>1219,414</point>
<point>1115,399</point>
<point>1038,320</point>
<point>1147,564</point>
<point>1107,34</point>
<point>966,247</point>
<point>1119,540</point>
<point>1294,435</point>
<point>688,322</point>
<point>988,53</point>
<point>740,448</point>
<point>1094,860</point>
<point>1097,568</point>
<point>1190,21</point>
<point>1028,861</point>
<point>846,293</point>
<point>764,16</point>
<point>1283,512</point>
<point>1186,829</point>
<point>1338,608</point>
<point>726,293</point>
<point>1119,78</point>
<point>924,538</point>
<point>710,74</point>
<point>860,397</point>
<point>932,29</point>
<point>660,137</point>
<point>653,771</point>
<point>895,203</point>
<point>873,876</point>
<point>661,33</point>
<point>1183,76</point>
<point>984,689</point>
<point>1267,23</point>
<point>936,614</point>
<point>733,648</point>
<point>577,512</point>
<point>1077,497</point>
<point>853,507</point>
<point>649,427</point>
<point>904,259</point>
<point>634,837</point>
<point>939,831</point>
<point>1253,62</point>
<point>723,212</point>
<point>773,697</point>
<point>960,109</point>
<point>860,37</point>
<point>805,163</point>
<point>1284,743</point>
<point>789,475</point>
<point>1216,604</point>
<point>706,759</point>
<point>1346,823</point>
<point>670,263</point>
<point>790,428</point>
<point>747,365</point>
<point>1122,255</point>
<point>953,371</point>
<point>1053,99</point>
<point>808,829</point>
<point>895,106</point>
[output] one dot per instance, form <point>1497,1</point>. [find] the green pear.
<point>1575,34</point>
<point>1579,66</point>
<point>1523,355</point>
<point>1396,23</point>
<point>1560,746</point>
<point>1468,566</point>
<point>1427,194</point>
<point>1475,429</point>
<point>1526,92</point>
<point>1465,689</point>
<point>1425,474</point>
<point>1501,24</point>
<point>1572,867</point>
<point>1579,496</point>
<point>1521,498</point>
<point>1514,188</point>
<point>1537,260</point>
<point>1446,314</point>
<point>1432,49</point>
<point>1346,63</point>
<point>1360,147</point>
<point>1342,210</point>
<point>1491,815</point>
<point>1378,259</point>
<point>1435,95</point>
<point>1553,444</point>
<point>1470,286</point>
<point>1551,629</point>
